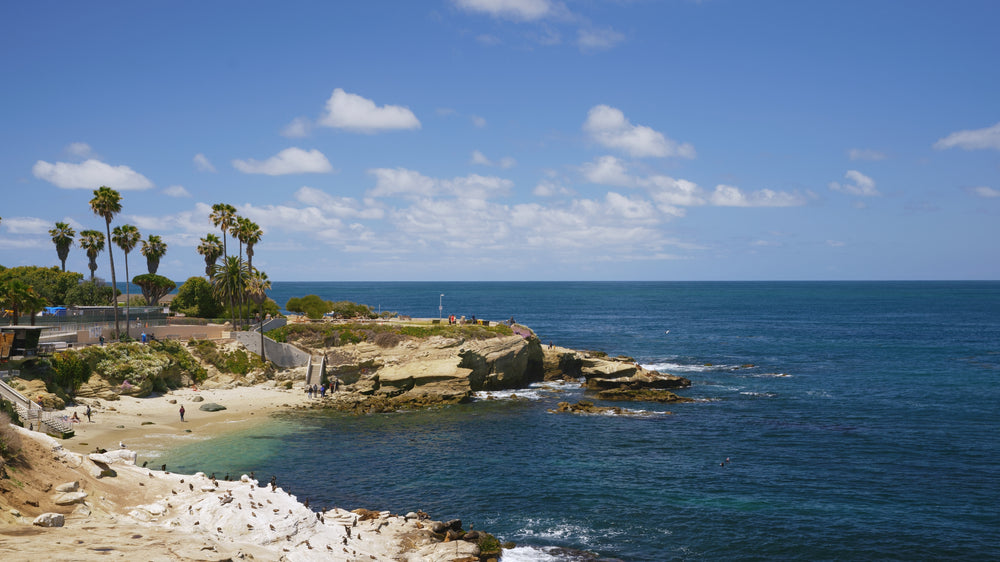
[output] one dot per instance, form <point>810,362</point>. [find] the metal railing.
<point>33,413</point>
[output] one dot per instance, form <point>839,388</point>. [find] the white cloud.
<point>972,139</point>
<point>518,10</point>
<point>409,183</point>
<point>177,191</point>
<point>400,181</point>
<point>289,161</point>
<point>669,193</point>
<point>983,191</point>
<point>90,174</point>
<point>202,164</point>
<point>608,127</point>
<point>355,113</point>
<point>27,225</point>
<point>341,207</point>
<point>547,188</point>
<point>298,128</point>
<point>478,121</point>
<point>862,185</point>
<point>21,243</point>
<point>598,39</point>
<point>866,154</point>
<point>835,243</point>
<point>479,158</point>
<point>607,170</point>
<point>80,149</point>
<point>729,196</point>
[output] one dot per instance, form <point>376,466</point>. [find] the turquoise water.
<point>866,427</point>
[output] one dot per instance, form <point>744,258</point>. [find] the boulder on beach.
<point>49,520</point>
<point>211,407</point>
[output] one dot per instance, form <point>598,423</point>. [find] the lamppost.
<point>440,305</point>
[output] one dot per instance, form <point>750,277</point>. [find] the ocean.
<point>859,421</point>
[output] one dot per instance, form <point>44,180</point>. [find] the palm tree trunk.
<point>114,281</point>
<point>128,299</point>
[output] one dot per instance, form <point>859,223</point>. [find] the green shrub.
<point>70,369</point>
<point>236,362</point>
<point>10,443</point>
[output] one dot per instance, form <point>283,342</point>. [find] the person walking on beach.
<point>182,412</point>
<point>88,413</point>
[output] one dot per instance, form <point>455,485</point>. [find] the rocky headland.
<point>403,373</point>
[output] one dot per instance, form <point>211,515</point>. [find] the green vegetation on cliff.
<point>386,335</point>
<point>237,361</point>
<point>314,307</point>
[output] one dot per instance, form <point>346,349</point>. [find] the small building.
<point>19,341</point>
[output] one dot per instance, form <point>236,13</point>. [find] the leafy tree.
<point>211,249</point>
<point>229,281</point>
<point>106,204</point>
<point>154,248</point>
<point>154,287</point>
<point>91,293</point>
<point>311,305</point>
<point>126,237</point>
<point>62,237</point>
<point>50,282</point>
<point>92,242</point>
<point>348,309</point>
<point>195,298</point>
<point>18,297</point>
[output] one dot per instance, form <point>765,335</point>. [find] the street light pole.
<point>440,305</point>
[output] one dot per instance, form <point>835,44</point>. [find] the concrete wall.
<point>209,332</point>
<point>281,354</point>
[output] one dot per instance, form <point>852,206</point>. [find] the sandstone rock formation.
<point>435,370</point>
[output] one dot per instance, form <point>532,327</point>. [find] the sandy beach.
<point>117,509</point>
<point>153,423</point>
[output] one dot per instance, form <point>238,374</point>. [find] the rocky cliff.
<point>432,370</point>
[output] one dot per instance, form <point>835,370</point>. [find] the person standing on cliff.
<point>182,412</point>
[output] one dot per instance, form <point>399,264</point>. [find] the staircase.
<point>32,414</point>
<point>315,369</point>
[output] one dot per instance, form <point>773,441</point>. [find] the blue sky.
<point>514,139</point>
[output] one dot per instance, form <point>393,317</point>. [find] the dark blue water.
<point>866,427</point>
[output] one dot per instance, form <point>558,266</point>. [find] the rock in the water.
<point>211,407</point>
<point>49,520</point>
<point>642,395</point>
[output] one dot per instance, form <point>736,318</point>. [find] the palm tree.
<point>92,242</point>
<point>229,281</point>
<point>257,287</point>
<point>246,230</point>
<point>107,203</point>
<point>154,248</point>
<point>211,248</point>
<point>223,216</point>
<point>126,237</point>
<point>251,235</point>
<point>18,297</point>
<point>62,237</point>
